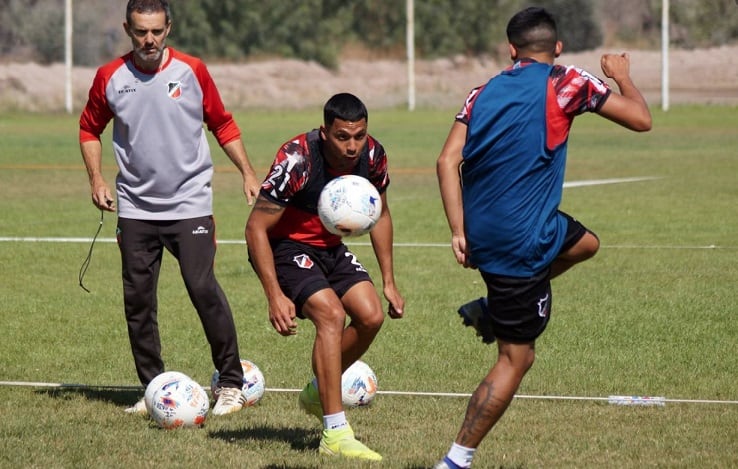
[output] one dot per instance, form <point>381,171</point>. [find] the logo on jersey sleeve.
<point>174,89</point>
<point>303,261</point>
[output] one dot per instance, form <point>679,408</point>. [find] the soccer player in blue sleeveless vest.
<point>158,99</point>
<point>501,174</point>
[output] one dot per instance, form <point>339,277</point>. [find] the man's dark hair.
<point>148,6</point>
<point>344,106</point>
<point>533,30</point>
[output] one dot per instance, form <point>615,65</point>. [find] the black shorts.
<point>521,307</point>
<point>303,270</point>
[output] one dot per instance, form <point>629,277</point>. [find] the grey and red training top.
<point>160,145</point>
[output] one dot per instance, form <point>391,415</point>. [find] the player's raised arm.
<point>628,108</point>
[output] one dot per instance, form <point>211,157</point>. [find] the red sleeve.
<point>464,114</point>
<point>289,171</point>
<point>378,174</point>
<point>219,121</point>
<point>571,92</point>
<point>96,114</point>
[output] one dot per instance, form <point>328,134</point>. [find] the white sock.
<point>335,421</point>
<point>461,455</point>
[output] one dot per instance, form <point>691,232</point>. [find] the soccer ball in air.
<point>179,403</point>
<point>253,383</point>
<point>349,206</point>
<point>358,385</point>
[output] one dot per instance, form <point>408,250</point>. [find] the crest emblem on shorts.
<point>543,306</point>
<point>174,89</point>
<point>303,261</point>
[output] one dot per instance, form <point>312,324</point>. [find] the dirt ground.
<point>696,76</point>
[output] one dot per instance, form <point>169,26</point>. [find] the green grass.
<point>652,313</point>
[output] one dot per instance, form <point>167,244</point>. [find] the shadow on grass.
<point>299,439</point>
<point>123,396</point>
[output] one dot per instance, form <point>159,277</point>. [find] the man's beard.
<point>149,57</point>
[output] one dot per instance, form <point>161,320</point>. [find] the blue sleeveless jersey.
<point>512,183</point>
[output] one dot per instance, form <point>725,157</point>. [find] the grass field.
<point>652,314</point>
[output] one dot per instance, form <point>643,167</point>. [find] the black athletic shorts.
<point>521,307</point>
<point>303,270</point>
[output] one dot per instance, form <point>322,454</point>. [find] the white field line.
<point>393,393</point>
<point>591,182</point>
<point>599,182</point>
<point>31,239</point>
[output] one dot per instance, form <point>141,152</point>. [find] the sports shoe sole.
<point>476,315</point>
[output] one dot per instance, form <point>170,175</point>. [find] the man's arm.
<point>628,108</point>
<point>92,156</point>
<point>263,217</point>
<point>237,154</point>
<point>382,238</point>
<point>449,181</point>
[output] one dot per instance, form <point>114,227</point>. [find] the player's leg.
<point>579,245</point>
<point>192,243</point>
<point>519,311</point>
<point>494,394</point>
<point>141,254</point>
<point>365,310</point>
<point>326,312</point>
<point>324,309</point>
<point>319,301</point>
<point>353,285</point>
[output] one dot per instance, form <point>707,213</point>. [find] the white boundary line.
<point>31,239</point>
<point>599,182</point>
<point>591,182</point>
<point>33,384</point>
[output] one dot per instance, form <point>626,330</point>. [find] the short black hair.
<point>148,6</point>
<point>344,106</point>
<point>533,29</point>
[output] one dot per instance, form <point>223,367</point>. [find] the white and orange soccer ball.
<point>177,402</point>
<point>349,206</point>
<point>358,385</point>
<point>253,383</point>
<point>159,381</point>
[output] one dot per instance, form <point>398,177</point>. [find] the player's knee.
<point>592,245</point>
<point>374,321</point>
<point>586,248</point>
<point>368,321</point>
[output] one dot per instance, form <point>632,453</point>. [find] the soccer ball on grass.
<point>159,381</point>
<point>177,402</point>
<point>253,383</point>
<point>349,206</point>
<point>358,385</point>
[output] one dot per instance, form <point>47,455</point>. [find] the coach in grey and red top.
<point>158,99</point>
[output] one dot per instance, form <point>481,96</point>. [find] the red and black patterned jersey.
<point>571,91</point>
<point>298,174</point>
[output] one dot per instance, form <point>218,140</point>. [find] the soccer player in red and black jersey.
<point>307,272</point>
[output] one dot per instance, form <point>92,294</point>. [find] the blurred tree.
<point>321,30</point>
<point>575,19</point>
<point>191,27</point>
<point>38,36</point>
<point>702,24</point>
